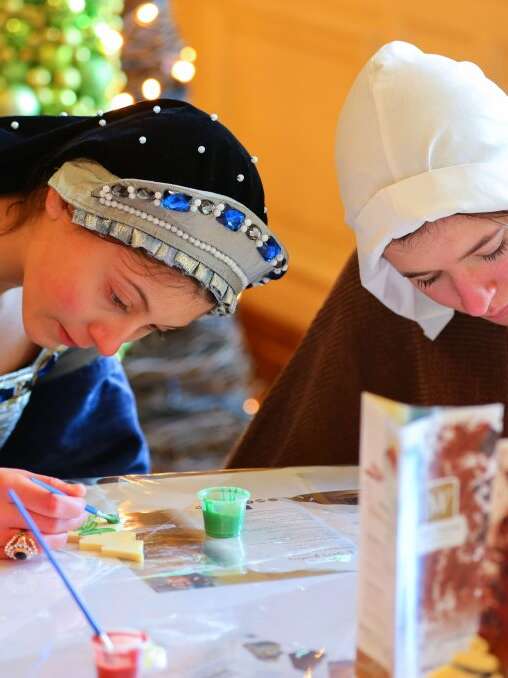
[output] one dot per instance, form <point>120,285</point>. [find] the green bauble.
<point>46,97</point>
<point>47,54</point>
<point>55,56</point>
<point>15,71</point>
<point>13,6</point>
<point>19,100</point>
<point>72,36</point>
<point>84,106</point>
<point>92,7</point>
<point>17,29</point>
<point>64,56</point>
<point>82,54</point>
<point>38,76</point>
<point>97,73</point>
<point>68,77</point>
<point>116,6</point>
<point>65,98</point>
<point>83,22</point>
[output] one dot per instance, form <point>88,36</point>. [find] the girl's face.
<point>460,262</point>
<point>83,290</point>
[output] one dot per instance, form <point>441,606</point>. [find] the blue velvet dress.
<point>80,424</point>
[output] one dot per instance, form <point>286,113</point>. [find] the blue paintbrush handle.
<point>35,530</point>
<point>55,490</point>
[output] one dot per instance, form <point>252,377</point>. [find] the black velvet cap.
<point>41,144</point>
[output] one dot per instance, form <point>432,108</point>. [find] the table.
<point>278,602</point>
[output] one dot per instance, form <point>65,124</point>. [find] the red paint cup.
<point>125,660</point>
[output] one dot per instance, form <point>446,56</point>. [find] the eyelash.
<point>497,253</point>
<point>118,302</point>
<point>486,257</point>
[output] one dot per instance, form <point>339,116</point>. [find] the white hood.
<point>420,137</point>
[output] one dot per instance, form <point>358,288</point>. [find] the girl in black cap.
<point>111,227</point>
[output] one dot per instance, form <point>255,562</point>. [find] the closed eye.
<point>496,253</point>
<point>499,251</point>
<point>119,303</point>
<point>426,282</point>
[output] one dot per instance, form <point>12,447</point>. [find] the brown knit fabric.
<point>355,344</point>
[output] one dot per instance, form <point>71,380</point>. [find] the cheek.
<point>61,294</point>
<point>68,299</point>
<point>442,293</point>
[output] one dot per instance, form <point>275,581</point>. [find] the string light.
<point>111,40</point>
<point>77,6</point>
<point>251,406</point>
<point>183,71</point>
<point>121,100</point>
<point>146,13</point>
<point>151,88</point>
<point>188,54</point>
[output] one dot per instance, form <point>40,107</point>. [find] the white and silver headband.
<point>210,237</point>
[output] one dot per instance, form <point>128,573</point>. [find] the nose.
<point>108,337</point>
<point>476,295</point>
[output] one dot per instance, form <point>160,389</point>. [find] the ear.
<point>55,205</point>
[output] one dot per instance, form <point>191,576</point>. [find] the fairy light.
<point>77,6</point>
<point>183,71</point>
<point>146,13</point>
<point>111,40</point>
<point>121,100</point>
<point>251,406</point>
<point>188,54</point>
<point>151,88</point>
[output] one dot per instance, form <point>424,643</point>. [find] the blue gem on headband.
<point>270,249</point>
<point>176,201</point>
<point>231,218</point>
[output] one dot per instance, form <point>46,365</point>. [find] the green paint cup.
<point>223,510</point>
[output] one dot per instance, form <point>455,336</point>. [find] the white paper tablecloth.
<point>295,564</point>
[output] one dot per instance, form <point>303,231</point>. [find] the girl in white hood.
<point>422,154</point>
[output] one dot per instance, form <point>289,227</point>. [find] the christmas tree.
<point>60,56</point>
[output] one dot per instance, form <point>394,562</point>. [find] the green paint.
<point>223,510</point>
<point>92,526</point>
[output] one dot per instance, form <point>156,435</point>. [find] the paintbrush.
<point>110,517</point>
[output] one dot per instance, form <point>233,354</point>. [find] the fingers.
<point>11,518</point>
<point>55,541</point>
<point>72,489</point>
<point>41,501</point>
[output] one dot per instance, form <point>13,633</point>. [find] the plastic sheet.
<point>278,601</point>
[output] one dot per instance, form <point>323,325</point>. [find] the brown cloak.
<point>355,344</point>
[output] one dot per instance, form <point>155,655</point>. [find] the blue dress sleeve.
<point>82,424</point>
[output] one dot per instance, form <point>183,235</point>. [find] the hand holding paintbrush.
<point>54,516</point>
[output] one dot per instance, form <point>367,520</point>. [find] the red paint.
<point>125,661</point>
